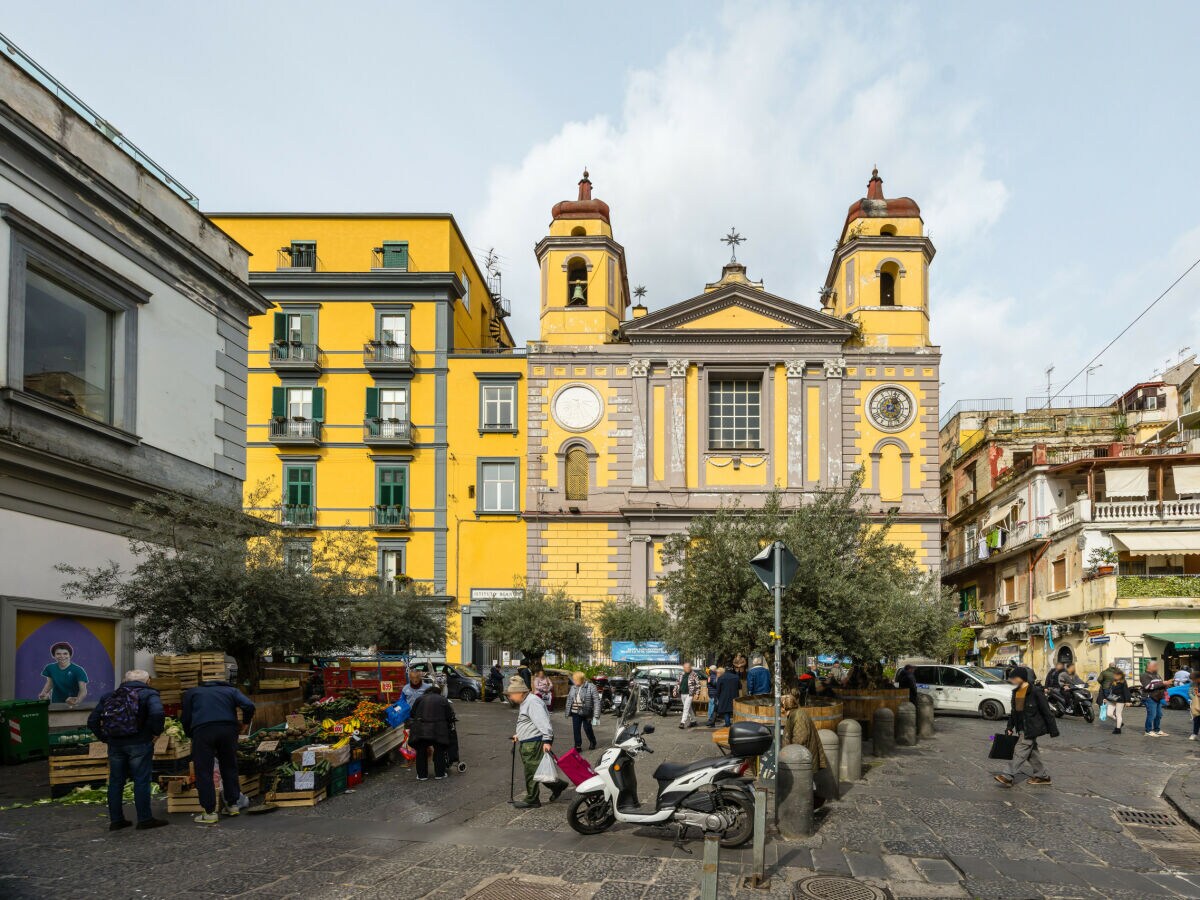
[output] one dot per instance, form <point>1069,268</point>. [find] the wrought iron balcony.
<point>293,356</point>
<point>298,515</point>
<point>298,256</point>
<point>389,517</point>
<point>387,432</point>
<point>387,356</point>
<point>303,432</point>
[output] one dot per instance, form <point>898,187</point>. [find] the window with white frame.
<point>391,568</point>
<point>498,492</point>
<point>393,411</point>
<point>498,407</point>
<point>734,414</point>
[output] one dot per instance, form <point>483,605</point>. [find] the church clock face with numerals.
<point>891,408</point>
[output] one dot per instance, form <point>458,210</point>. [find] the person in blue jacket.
<point>758,679</point>
<point>210,718</point>
<point>130,754</point>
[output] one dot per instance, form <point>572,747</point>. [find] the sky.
<point>1050,146</point>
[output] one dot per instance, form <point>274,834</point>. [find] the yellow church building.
<point>386,394</point>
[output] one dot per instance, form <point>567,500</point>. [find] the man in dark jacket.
<point>728,687</point>
<point>526,674</point>
<point>907,678</point>
<point>1031,718</point>
<point>429,729</point>
<point>210,719</point>
<point>130,756</point>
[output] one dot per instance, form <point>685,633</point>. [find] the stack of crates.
<point>191,668</point>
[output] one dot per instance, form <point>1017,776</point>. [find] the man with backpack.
<point>210,719</point>
<point>128,719</point>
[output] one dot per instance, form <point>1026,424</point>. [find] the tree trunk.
<point>249,668</point>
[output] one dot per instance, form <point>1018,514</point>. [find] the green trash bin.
<point>25,732</point>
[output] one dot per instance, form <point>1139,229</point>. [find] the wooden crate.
<point>183,798</point>
<point>169,688</point>
<point>171,749</point>
<point>79,768</point>
<point>295,798</point>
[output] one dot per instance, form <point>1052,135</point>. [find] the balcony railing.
<point>297,515</point>
<point>1145,510</point>
<point>291,355</point>
<point>389,517</point>
<point>295,431</point>
<point>970,617</point>
<point>387,355</point>
<point>298,256</point>
<point>387,431</point>
<point>956,563</point>
<point>1064,518</point>
<point>1131,586</point>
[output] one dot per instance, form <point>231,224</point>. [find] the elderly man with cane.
<point>534,738</point>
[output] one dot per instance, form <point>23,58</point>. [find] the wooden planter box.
<point>860,704</point>
<point>750,709</point>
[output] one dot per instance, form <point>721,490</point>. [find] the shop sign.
<point>1188,645</point>
<point>645,651</point>
<point>1095,632</point>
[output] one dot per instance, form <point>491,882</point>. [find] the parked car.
<point>462,681</point>
<point>965,689</point>
<point>667,673</point>
<point>1177,696</point>
<point>997,671</point>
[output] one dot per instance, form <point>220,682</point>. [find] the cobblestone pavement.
<point>927,822</point>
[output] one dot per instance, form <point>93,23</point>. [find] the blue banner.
<point>645,651</point>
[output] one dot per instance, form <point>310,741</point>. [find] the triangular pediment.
<point>737,312</point>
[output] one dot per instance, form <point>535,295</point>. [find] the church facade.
<point>638,421</point>
<point>385,396</point>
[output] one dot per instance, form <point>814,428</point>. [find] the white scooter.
<point>712,794</point>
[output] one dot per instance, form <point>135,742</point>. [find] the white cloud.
<point>771,124</point>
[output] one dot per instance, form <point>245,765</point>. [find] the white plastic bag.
<point>548,771</point>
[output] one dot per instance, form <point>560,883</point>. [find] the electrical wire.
<point>1122,333</point>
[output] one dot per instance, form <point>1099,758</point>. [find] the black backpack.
<point>120,714</point>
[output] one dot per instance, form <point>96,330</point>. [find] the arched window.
<point>577,474</point>
<point>578,231</point>
<point>888,230</point>
<point>887,284</point>
<point>577,283</point>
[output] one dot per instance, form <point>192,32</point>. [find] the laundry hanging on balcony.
<point>1187,480</point>
<point>1127,482</point>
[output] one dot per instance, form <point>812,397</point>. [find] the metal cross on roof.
<point>639,292</point>
<point>732,239</point>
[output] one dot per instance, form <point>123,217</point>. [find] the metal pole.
<point>758,877</point>
<point>778,652</point>
<point>708,874</point>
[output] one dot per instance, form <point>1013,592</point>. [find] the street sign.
<point>1099,639</point>
<point>764,565</point>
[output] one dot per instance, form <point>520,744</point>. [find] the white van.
<point>964,689</point>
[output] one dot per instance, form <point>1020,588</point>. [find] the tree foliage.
<point>400,622</point>
<point>541,620</point>
<point>855,593</point>
<point>625,620</point>
<point>210,577</point>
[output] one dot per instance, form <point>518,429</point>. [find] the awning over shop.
<point>1181,639</point>
<point>1187,479</point>
<point>995,517</point>
<point>1158,543</point>
<point>1127,482</point>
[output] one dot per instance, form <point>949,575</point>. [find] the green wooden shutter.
<point>281,326</point>
<point>395,255</point>
<point>372,403</point>
<point>390,486</point>
<point>299,486</point>
<point>306,329</point>
<point>319,404</point>
<point>278,402</point>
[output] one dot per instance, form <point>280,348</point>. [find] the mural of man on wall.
<point>65,681</point>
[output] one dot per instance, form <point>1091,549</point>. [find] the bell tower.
<point>584,286</point>
<point>879,276</point>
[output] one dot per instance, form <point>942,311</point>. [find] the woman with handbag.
<point>543,687</point>
<point>582,703</point>
<point>1117,699</point>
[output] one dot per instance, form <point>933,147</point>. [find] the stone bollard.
<point>924,716</point>
<point>794,792</point>
<point>883,732</point>
<point>830,783</point>
<point>906,725</point>
<point>850,747</point>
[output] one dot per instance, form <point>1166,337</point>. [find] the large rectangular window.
<point>498,486</point>
<point>298,497</point>
<point>498,405</point>
<point>68,348</point>
<point>391,569</point>
<point>391,494</point>
<point>734,414</point>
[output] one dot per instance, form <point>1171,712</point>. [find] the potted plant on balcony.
<point>1103,561</point>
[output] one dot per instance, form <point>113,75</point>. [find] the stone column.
<point>677,416</point>
<point>833,421</point>
<point>850,762</point>
<point>639,562</point>
<point>796,436</point>
<point>794,800</point>
<point>639,369</point>
<point>883,732</point>
<point>906,725</point>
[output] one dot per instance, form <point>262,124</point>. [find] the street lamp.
<point>1087,378</point>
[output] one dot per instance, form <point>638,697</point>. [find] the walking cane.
<point>512,780</point>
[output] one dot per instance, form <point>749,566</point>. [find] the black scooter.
<point>655,697</point>
<point>619,693</point>
<point>1075,700</point>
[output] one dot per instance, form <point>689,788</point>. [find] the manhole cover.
<point>1141,817</point>
<point>523,889</point>
<point>830,887</point>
